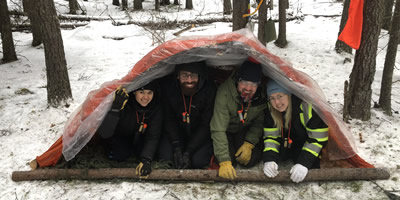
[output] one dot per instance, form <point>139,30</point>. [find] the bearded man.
<point>237,122</point>
<point>188,101</point>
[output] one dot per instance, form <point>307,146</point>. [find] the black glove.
<point>144,168</point>
<point>186,160</point>
<point>120,99</point>
<point>178,158</point>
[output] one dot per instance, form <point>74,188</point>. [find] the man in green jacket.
<point>237,122</point>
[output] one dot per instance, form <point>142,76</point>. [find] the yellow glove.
<point>121,96</point>
<point>143,170</point>
<point>243,155</point>
<point>226,170</point>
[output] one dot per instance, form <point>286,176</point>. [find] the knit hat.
<point>153,85</point>
<point>194,67</point>
<point>250,71</point>
<point>274,87</point>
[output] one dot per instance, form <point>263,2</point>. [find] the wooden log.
<point>27,26</point>
<point>330,174</point>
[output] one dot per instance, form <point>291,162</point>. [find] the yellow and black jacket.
<point>302,142</point>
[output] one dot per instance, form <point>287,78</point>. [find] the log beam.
<point>330,174</point>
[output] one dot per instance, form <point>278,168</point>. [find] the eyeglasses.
<point>278,97</point>
<point>185,76</point>
<point>248,83</point>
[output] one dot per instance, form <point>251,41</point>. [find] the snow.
<point>28,126</point>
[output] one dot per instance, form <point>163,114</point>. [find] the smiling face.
<point>144,97</point>
<point>279,101</point>
<point>188,82</point>
<point>188,79</point>
<point>247,89</point>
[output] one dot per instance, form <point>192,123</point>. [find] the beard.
<point>189,91</point>
<point>246,96</point>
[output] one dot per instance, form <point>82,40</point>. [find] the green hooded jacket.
<point>226,119</point>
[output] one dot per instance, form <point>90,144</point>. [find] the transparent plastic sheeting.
<point>230,49</point>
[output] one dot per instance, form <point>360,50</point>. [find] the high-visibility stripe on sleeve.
<point>271,132</point>
<point>271,143</point>
<point>313,148</point>
<point>302,119</point>
<point>271,149</point>
<point>270,136</point>
<point>307,113</point>
<point>321,135</point>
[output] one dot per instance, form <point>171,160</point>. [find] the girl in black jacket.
<point>133,126</point>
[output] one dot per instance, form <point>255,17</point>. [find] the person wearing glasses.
<point>188,101</point>
<point>237,122</point>
<point>292,130</point>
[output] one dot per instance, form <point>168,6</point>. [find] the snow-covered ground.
<point>28,126</point>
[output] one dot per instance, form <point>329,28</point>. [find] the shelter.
<point>220,52</point>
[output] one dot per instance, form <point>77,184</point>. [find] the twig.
<point>183,30</point>
<point>388,193</point>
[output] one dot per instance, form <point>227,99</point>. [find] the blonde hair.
<point>277,116</point>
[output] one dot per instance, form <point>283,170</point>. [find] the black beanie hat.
<point>250,71</point>
<point>153,85</point>
<point>194,67</point>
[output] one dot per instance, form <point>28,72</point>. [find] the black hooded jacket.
<point>126,123</point>
<point>188,136</point>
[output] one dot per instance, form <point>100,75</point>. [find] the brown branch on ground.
<point>183,30</point>
<point>328,174</point>
<point>23,27</point>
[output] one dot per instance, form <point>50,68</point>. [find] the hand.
<point>226,170</point>
<point>243,155</point>
<point>120,98</point>
<point>298,173</point>
<point>271,169</point>
<point>143,170</point>
<point>186,160</point>
<point>178,158</point>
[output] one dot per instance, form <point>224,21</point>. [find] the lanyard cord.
<point>190,103</point>
<point>243,116</point>
<point>143,126</point>
<point>185,115</point>
<point>137,117</point>
<point>290,127</point>
<point>247,109</point>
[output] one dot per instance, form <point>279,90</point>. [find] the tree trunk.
<point>124,4</point>
<point>30,7</point>
<point>157,5</point>
<point>58,87</point>
<point>387,18</point>
<point>176,2</point>
<point>227,7</point>
<point>6,34</point>
<point>362,75</point>
<point>240,7</point>
<point>115,2</point>
<point>328,174</point>
<point>189,4</point>
<point>137,5</point>
<point>73,6</point>
<point>165,2</point>
<point>387,76</point>
<point>262,20</point>
<point>341,46</point>
<point>281,41</point>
